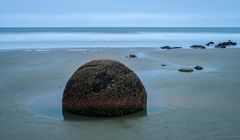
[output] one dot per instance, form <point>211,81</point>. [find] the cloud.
<point>118,19</point>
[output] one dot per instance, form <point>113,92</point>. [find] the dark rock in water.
<point>185,69</point>
<point>132,56</point>
<point>166,47</point>
<point>210,43</point>
<point>225,44</point>
<point>197,47</point>
<point>176,47</point>
<point>220,46</point>
<point>163,65</point>
<point>198,68</point>
<point>234,43</point>
<point>104,88</point>
<point>229,43</point>
<point>169,48</point>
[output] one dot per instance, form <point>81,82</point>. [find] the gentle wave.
<point>85,40</point>
<point>114,37</point>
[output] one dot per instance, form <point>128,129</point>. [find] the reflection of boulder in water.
<point>104,88</point>
<point>69,116</point>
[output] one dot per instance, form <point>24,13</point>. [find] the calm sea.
<point>53,38</point>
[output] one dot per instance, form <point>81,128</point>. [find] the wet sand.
<point>198,105</point>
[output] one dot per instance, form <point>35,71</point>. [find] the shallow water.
<point>50,106</point>
<point>193,106</point>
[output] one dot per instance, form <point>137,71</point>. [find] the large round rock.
<point>104,88</point>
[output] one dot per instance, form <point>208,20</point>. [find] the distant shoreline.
<point>120,29</point>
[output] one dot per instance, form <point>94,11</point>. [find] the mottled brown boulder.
<point>104,88</point>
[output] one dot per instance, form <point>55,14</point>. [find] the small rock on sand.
<point>185,69</point>
<point>197,47</point>
<point>210,43</point>
<point>132,56</point>
<point>169,48</point>
<point>198,68</point>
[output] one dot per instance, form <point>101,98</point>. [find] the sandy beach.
<point>196,106</point>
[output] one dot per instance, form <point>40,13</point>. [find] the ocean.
<point>113,37</point>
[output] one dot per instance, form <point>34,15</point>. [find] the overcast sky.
<point>119,13</point>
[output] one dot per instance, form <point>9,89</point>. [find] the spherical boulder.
<point>104,88</point>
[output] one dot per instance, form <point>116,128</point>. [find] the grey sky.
<point>157,13</point>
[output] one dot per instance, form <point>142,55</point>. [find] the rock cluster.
<point>211,43</point>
